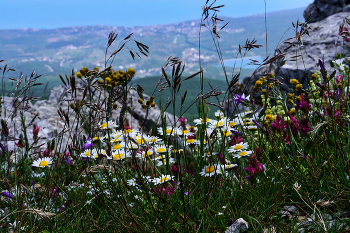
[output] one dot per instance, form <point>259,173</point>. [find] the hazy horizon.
<point>38,14</point>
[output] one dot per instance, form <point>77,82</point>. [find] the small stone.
<point>240,225</point>
<point>291,209</point>
<point>284,213</point>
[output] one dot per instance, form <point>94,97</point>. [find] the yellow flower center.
<point>227,133</point>
<point>190,140</point>
<point>238,147</point>
<point>169,131</point>
<point>161,150</point>
<point>154,140</point>
<point>163,179</point>
<point>243,153</point>
<point>185,131</point>
<point>209,169</point>
<point>116,140</point>
<point>104,125</point>
<point>232,124</point>
<point>202,120</point>
<point>118,156</point>
<point>88,153</point>
<point>117,147</point>
<point>127,131</point>
<point>218,124</point>
<point>43,163</point>
<point>140,141</point>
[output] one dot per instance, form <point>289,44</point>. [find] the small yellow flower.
<point>96,68</point>
<point>294,81</point>
<point>313,76</point>
<point>290,95</point>
<point>263,91</point>
<point>131,72</point>
<point>269,117</point>
<point>258,83</point>
<point>292,111</point>
<point>108,80</point>
<point>298,87</point>
<point>79,75</point>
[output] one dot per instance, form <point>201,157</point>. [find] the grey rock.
<point>50,124</point>
<point>291,209</point>
<point>240,225</point>
<point>323,43</point>
<point>321,9</point>
<point>284,213</point>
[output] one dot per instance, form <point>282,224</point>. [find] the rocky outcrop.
<point>321,9</point>
<point>51,125</point>
<point>323,43</point>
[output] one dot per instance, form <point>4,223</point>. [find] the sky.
<point>48,14</point>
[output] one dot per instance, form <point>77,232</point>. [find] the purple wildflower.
<point>88,144</point>
<point>304,126</point>
<point>6,194</point>
<point>2,147</point>
<point>278,124</point>
<point>240,99</point>
<point>174,169</point>
<point>254,167</point>
<point>236,133</point>
<point>67,159</point>
<point>257,124</point>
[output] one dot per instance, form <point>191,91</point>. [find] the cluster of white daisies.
<point>124,143</point>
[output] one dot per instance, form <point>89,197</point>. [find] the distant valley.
<point>58,51</point>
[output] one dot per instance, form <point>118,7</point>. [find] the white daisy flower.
<point>95,155</point>
<point>129,145</point>
<point>43,162</point>
<point>117,139</point>
<point>229,166</point>
<point>98,138</point>
<point>211,170</point>
<point>163,162</point>
<point>161,149</point>
<point>155,140</point>
<point>143,154</point>
<point>219,114</point>
<point>192,141</point>
<point>89,153</point>
<point>118,146</point>
<point>242,154</point>
<point>169,131</point>
<point>162,179</point>
<point>119,155</point>
<point>233,123</point>
<point>108,125</point>
<point>142,139</point>
<point>192,127</point>
<point>131,182</point>
<point>201,121</point>
<point>251,127</point>
<point>226,132</point>
<point>131,132</point>
<point>238,147</point>
<point>186,133</point>
<point>219,124</point>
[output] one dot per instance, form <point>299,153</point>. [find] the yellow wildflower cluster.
<point>110,78</point>
<point>149,103</point>
<point>294,81</point>
<point>258,84</point>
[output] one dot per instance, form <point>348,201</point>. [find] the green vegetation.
<point>194,176</point>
